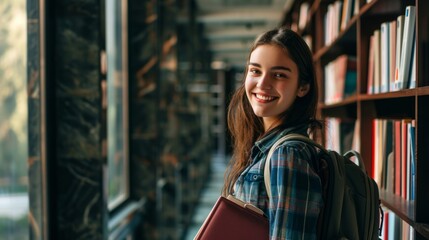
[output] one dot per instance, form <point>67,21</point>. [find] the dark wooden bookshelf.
<point>344,44</point>
<point>354,40</point>
<point>387,95</point>
<point>403,208</point>
<point>422,229</point>
<point>343,109</point>
<point>423,91</point>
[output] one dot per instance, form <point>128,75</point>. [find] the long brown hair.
<point>245,127</point>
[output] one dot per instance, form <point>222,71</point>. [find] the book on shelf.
<point>370,77</point>
<point>383,147</point>
<point>309,40</point>
<point>408,40</point>
<point>356,7</point>
<point>399,33</point>
<point>294,26</point>
<point>404,159</point>
<point>347,133</point>
<point>408,160</point>
<point>347,13</point>
<point>391,63</point>
<point>390,173</point>
<point>392,52</point>
<point>394,156</point>
<point>340,134</point>
<point>376,161</point>
<point>385,227</point>
<point>377,62</point>
<point>385,57</point>
<point>413,66</point>
<point>356,137</point>
<point>340,78</point>
<point>304,9</point>
<point>394,228</point>
<point>412,143</point>
<point>397,156</point>
<point>332,21</point>
<point>332,134</point>
<point>387,131</point>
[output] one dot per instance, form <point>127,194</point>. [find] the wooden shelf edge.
<point>337,47</point>
<point>405,210</point>
<point>378,7</point>
<point>387,95</point>
<point>401,207</point>
<point>423,91</point>
<point>345,102</point>
<point>366,7</point>
<point>423,229</point>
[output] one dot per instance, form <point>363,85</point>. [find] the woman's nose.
<point>264,82</point>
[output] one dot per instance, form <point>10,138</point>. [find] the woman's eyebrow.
<point>281,68</point>
<point>273,68</point>
<point>255,64</point>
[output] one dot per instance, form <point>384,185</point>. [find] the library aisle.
<point>209,195</point>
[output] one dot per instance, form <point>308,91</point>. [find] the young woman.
<point>278,97</point>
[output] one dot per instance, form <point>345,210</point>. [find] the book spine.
<point>399,33</point>
<point>384,60</point>
<point>370,83</point>
<point>407,44</point>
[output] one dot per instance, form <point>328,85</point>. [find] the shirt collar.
<point>267,141</point>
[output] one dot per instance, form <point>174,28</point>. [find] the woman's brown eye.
<point>254,71</point>
<point>279,75</point>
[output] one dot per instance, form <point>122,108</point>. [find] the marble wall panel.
<point>167,136</point>
<point>144,123</point>
<point>34,138</point>
<point>80,204</point>
<point>73,82</point>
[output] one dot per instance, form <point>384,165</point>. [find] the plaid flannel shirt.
<point>296,189</point>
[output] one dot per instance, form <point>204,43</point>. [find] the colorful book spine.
<point>407,45</point>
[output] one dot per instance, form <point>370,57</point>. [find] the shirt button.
<point>255,177</point>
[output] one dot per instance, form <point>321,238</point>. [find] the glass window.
<point>117,102</point>
<point>14,203</point>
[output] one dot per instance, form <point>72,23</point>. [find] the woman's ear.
<point>303,90</point>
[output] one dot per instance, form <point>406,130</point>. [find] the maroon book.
<point>231,218</point>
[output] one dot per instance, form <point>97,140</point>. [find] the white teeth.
<point>263,97</point>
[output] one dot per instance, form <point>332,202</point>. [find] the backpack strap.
<point>288,137</point>
<point>352,153</point>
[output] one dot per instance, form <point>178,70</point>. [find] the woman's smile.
<point>263,98</point>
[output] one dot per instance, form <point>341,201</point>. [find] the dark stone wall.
<point>169,128</point>
<point>144,99</point>
<point>67,125</point>
<point>36,187</point>
<point>74,56</point>
<point>169,144</point>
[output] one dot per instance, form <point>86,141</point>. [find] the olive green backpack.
<point>351,198</point>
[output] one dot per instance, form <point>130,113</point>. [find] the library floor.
<point>209,195</point>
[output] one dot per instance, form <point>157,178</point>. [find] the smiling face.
<point>272,83</point>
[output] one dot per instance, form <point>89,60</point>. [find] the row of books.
<point>341,134</point>
<point>394,153</point>
<point>338,16</point>
<point>394,228</point>
<point>340,78</point>
<point>392,55</point>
